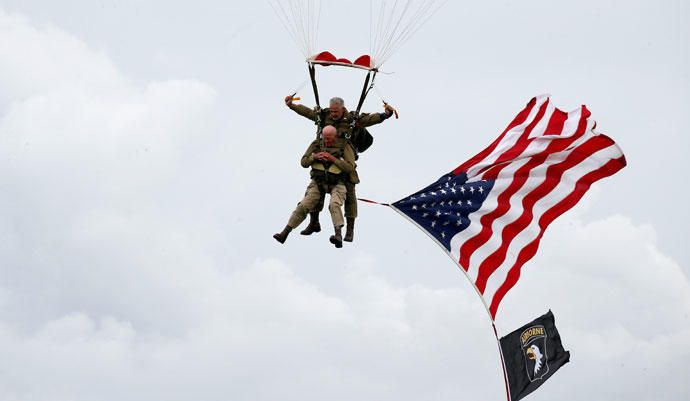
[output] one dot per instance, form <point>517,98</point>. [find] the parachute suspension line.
<point>318,20</point>
<point>387,43</point>
<point>371,24</point>
<point>391,38</point>
<point>300,87</point>
<point>392,28</point>
<point>365,89</point>
<point>397,25</point>
<point>312,76</point>
<point>286,22</point>
<point>309,21</point>
<point>296,9</point>
<point>378,92</point>
<point>301,21</point>
<point>377,38</point>
<point>424,15</point>
<point>431,10</point>
<point>383,29</point>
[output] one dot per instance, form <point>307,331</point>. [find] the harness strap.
<point>312,75</point>
<point>365,90</point>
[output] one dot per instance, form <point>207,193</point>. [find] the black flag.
<point>532,354</point>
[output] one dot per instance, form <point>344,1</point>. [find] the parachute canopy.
<point>391,24</point>
<point>327,58</point>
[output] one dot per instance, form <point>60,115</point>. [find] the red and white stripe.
<point>542,165</point>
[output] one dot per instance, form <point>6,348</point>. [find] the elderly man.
<point>344,121</point>
<point>332,160</point>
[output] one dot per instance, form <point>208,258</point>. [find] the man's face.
<point>329,137</point>
<point>336,112</point>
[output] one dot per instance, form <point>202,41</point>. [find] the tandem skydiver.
<point>350,127</point>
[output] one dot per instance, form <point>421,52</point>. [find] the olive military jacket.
<point>342,125</point>
<point>343,166</point>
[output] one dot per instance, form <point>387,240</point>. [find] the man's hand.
<point>390,110</point>
<point>324,156</point>
<point>288,100</point>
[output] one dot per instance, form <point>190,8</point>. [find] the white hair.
<point>329,128</point>
<point>337,101</point>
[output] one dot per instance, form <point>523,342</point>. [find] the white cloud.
<point>39,60</point>
<point>91,161</point>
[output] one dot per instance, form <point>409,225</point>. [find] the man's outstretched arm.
<point>302,110</point>
<point>367,120</point>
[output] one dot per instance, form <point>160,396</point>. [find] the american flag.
<point>491,212</point>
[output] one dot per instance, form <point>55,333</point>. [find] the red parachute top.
<point>327,58</point>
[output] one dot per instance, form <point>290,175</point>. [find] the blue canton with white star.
<point>442,208</point>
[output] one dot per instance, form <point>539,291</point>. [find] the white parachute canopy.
<point>391,24</point>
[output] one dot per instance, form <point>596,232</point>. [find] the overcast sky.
<point>146,158</point>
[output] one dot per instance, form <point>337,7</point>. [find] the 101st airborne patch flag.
<point>531,354</point>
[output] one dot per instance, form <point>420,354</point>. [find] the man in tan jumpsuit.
<point>332,160</point>
<point>343,120</point>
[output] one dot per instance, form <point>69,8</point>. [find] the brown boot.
<point>337,239</point>
<point>282,236</point>
<point>350,230</point>
<point>314,226</point>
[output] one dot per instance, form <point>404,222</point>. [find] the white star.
<point>448,178</point>
<point>453,190</point>
<point>469,202</point>
<point>438,213</point>
<point>443,203</point>
<point>423,205</point>
<point>433,224</point>
<point>481,190</point>
<point>447,185</point>
<point>457,214</point>
<point>412,197</point>
<point>472,190</point>
<point>443,191</point>
<point>445,223</point>
<point>425,215</point>
<point>433,204</point>
<point>433,193</point>
<point>459,223</point>
<point>414,207</point>
<point>423,195</point>
<point>462,189</point>
<point>443,235</point>
<point>459,202</point>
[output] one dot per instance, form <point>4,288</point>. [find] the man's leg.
<point>338,193</point>
<point>350,211</point>
<point>311,197</point>
<point>314,226</point>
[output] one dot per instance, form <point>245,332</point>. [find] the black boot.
<point>337,239</point>
<point>350,230</point>
<point>282,236</point>
<point>314,226</point>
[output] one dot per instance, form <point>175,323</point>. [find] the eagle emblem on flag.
<point>533,341</point>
